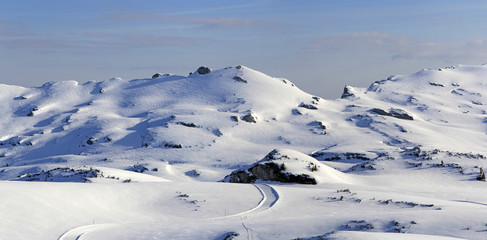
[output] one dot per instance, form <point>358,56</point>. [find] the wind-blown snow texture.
<point>402,159</point>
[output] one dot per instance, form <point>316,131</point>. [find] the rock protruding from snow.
<point>393,112</point>
<point>348,92</point>
<point>250,118</point>
<point>324,155</point>
<point>287,166</point>
<point>318,127</point>
<point>65,174</point>
<point>156,75</point>
<point>203,70</point>
<point>239,79</point>
<point>399,113</point>
<point>308,106</point>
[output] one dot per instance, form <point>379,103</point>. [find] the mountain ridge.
<point>234,106</point>
<point>152,158</point>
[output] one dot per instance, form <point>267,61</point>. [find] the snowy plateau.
<point>236,154</point>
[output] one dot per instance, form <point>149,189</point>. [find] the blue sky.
<point>319,45</point>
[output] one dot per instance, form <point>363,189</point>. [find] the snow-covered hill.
<point>405,155</point>
<point>227,117</point>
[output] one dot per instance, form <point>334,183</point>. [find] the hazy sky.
<point>320,45</point>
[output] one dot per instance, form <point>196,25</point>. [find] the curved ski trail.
<point>269,198</point>
<point>77,233</point>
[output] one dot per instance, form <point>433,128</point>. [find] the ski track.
<point>77,233</point>
<point>269,198</point>
<point>471,202</point>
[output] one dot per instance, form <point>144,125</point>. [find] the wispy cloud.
<point>397,47</point>
<point>14,29</point>
<point>96,41</point>
<point>432,50</point>
<point>50,45</point>
<point>204,22</point>
<point>148,40</point>
<point>355,41</point>
<point>215,9</point>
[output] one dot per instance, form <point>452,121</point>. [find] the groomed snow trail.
<point>269,198</point>
<point>77,233</point>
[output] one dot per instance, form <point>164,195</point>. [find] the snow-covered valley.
<point>236,154</point>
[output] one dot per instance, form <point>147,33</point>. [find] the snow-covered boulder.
<point>287,166</point>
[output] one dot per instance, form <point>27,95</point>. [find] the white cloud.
<point>397,47</point>
<point>95,41</point>
<point>205,22</point>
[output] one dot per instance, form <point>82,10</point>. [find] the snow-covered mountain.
<point>404,155</point>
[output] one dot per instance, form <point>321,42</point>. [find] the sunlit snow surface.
<point>141,159</point>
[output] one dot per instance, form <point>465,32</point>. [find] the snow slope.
<point>140,159</point>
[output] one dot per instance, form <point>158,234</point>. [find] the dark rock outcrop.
<point>343,156</point>
<point>380,112</point>
<point>65,174</point>
<point>239,79</point>
<point>269,170</point>
<point>203,70</point>
<point>91,141</point>
<point>436,84</point>
<point>347,92</point>
<point>319,127</point>
<point>393,112</point>
<point>401,114</point>
<point>156,75</point>
<point>187,124</point>
<point>31,113</point>
<point>308,106</point>
<point>172,145</point>
<point>249,118</point>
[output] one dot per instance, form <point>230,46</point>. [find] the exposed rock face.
<point>269,172</point>
<point>271,168</point>
<point>436,84</point>
<point>203,70</point>
<point>249,118</point>
<point>399,113</point>
<point>339,156</point>
<point>380,112</point>
<point>481,176</point>
<point>61,175</point>
<point>31,113</point>
<point>156,75</point>
<point>172,145</point>
<point>239,79</point>
<point>347,92</point>
<point>308,106</point>
<point>91,141</point>
<point>393,112</point>
<point>187,124</point>
<point>319,127</point>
